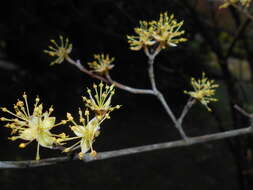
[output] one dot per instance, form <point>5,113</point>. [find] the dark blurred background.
<point>101,26</point>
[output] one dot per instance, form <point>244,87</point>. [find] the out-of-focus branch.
<point>126,151</point>
<point>239,32</point>
<point>244,11</point>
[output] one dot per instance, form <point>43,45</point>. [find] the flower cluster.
<point>33,126</point>
<point>37,125</point>
<point>100,103</point>
<point>60,51</point>
<point>165,32</point>
<point>101,64</point>
<point>88,129</point>
<point>244,3</point>
<point>204,89</point>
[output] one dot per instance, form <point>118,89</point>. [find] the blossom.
<point>165,32</point>
<point>60,51</point>
<point>100,103</point>
<point>204,89</point>
<point>33,126</point>
<point>144,37</point>
<point>102,63</point>
<point>86,132</point>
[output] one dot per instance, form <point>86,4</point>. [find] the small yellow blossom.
<point>165,32</point>
<point>102,63</point>
<point>244,3</point>
<point>100,103</point>
<point>32,126</point>
<point>60,51</point>
<point>144,37</point>
<point>204,89</point>
<point>86,132</point>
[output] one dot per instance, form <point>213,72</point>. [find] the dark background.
<point>101,26</point>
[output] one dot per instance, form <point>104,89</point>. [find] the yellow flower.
<point>61,52</point>
<point>85,132</point>
<point>204,89</point>
<point>102,63</point>
<point>100,103</point>
<point>30,127</point>
<point>165,32</point>
<point>244,3</point>
<point>144,37</point>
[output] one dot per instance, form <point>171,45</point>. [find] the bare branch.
<point>108,79</point>
<point>244,11</point>
<point>83,69</point>
<point>242,111</point>
<point>159,95</point>
<point>126,151</point>
<point>186,109</point>
<point>128,88</point>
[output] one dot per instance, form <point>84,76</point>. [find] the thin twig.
<point>158,94</point>
<point>244,11</point>
<point>239,32</point>
<point>128,88</point>
<point>126,151</point>
<point>243,112</point>
<point>186,109</point>
<point>108,79</point>
<point>83,69</point>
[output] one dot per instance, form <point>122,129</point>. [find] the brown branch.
<point>127,151</point>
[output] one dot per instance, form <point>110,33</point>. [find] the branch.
<point>186,109</point>
<point>128,88</point>
<point>126,151</point>
<point>158,94</point>
<point>244,11</point>
<point>108,79</point>
<point>239,32</point>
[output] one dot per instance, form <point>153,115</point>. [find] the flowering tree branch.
<point>126,151</point>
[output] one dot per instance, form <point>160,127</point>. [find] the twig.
<point>239,32</point>
<point>243,112</point>
<point>126,151</point>
<point>83,69</point>
<point>245,12</point>
<point>108,79</point>
<point>158,94</point>
<point>186,109</point>
<point>128,88</point>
